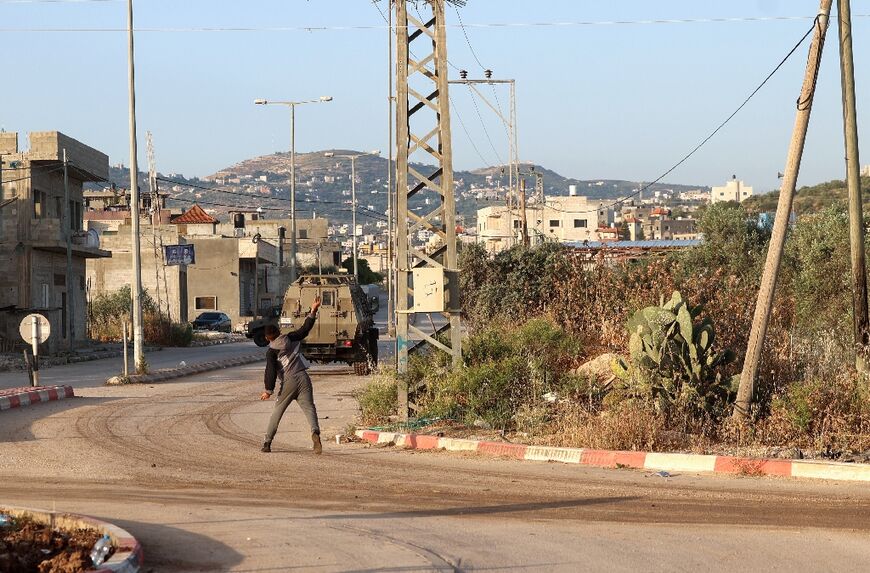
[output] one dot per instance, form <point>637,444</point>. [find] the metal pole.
<point>34,344</point>
<point>124,343</point>
<point>746,392</point>
<point>524,228</point>
<point>67,223</point>
<point>138,334</point>
<point>391,323</point>
<point>853,182</point>
<point>292,192</point>
<point>353,211</point>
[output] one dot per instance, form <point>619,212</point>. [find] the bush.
<point>506,370</point>
<point>108,312</point>
<point>831,416</point>
<point>378,400</point>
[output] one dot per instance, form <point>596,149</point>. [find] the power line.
<point>313,28</point>
<point>719,127</point>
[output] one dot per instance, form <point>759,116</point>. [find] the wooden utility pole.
<point>746,392</point>
<point>853,182</point>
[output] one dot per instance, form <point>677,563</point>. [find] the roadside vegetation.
<point>107,313</point>
<point>645,355</point>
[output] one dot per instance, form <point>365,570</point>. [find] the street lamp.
<point>292,105</point>
<point>353,197</point>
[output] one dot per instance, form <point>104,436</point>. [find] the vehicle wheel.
<point>260,338</point>
<point>361,368</point>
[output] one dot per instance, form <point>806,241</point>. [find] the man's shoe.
<point>267,447</point>
<point>318,447</point>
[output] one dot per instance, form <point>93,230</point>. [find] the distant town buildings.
<point>734,190</point>
<point>562,219</point>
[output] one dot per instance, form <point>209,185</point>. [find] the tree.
<point>366,275</point>
<point>624,234</point>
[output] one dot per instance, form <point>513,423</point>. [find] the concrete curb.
<point>204,343</point>
<point>28,395</point>
<point>128,556</point>
<point>638,460</point>
<point>171,373</point>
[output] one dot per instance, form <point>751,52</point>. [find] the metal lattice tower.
<point>426,282</point>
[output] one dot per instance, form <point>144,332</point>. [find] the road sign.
<point>35,326</point>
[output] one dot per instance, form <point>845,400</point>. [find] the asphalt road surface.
<point>178,465</point>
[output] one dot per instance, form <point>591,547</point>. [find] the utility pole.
<point>853,182</point>
<point>524,225</point>
<point>155,217</point>
<point>510,123</point>
<point>353,212</point>
<point>68,226</point>
<point>423,128</point>
<point>746,392</point>
<point>391,268</point>
<point>138,334</point>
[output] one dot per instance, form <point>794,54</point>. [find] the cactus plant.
<point>672,356</point>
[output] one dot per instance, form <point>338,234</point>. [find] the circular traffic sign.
<point>41,331</point>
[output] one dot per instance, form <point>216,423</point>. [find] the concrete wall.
<point>164,284</point>
<point>33,245</point>
<point>217,273</point>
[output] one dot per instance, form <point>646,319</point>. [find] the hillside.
<point>323,186</point>
<point>809,199</point>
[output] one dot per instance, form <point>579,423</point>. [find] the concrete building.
<point>39,223</point>
<point>234,275</point>
<point>667,229</point>
<point>563,219</point>
<point>734,190</point>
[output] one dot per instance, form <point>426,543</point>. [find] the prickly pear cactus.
<point>672,356</point>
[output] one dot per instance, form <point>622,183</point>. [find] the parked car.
<point>213,321</point>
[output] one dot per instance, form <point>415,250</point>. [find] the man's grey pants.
<point>297,387</point>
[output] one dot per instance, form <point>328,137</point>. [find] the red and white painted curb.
<point>27,395</point>
<point>128,556</point>
<point>638,460</point>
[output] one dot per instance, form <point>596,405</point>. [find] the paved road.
<point>84,374</point>
<point>178,465</point>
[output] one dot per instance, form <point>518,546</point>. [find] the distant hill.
<point>323,186</point>
<point>809,199</point>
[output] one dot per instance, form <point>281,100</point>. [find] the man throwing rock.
<point>284,360</point>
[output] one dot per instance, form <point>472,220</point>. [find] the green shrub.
<point>378,400</point>
<point>506,370</point>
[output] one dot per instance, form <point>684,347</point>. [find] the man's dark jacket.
<point>288,343</point>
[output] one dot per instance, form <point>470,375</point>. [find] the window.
<point>39,204</point>
<point>579,223</point>
<point>205,303</point>
<point>303,233</point>
<point>326,298</point>
<point>45,292</point>
<point>555,223</point>
<point>517,224</point>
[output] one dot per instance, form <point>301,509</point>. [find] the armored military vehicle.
<point>345,329</point>
<point>256,328</point>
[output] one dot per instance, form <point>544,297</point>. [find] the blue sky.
<point>594,101</point>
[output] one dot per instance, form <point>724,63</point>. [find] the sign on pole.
<point>35,329</point>
<point>180,254</point>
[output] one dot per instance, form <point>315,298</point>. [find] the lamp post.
<point>292,105</point>
<point>353,197</point>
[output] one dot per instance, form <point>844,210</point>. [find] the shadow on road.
<point>172,549</point>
